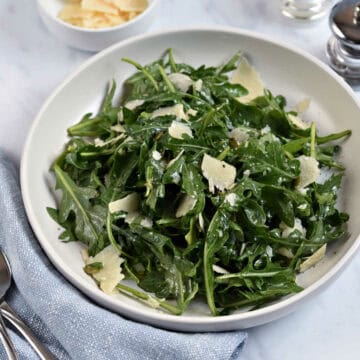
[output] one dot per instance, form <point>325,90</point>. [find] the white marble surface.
<point>32,63</point>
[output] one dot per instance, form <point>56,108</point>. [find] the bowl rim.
<point>100,30</point>
<point>158,318</point>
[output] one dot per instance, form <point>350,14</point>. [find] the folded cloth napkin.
<point>69,323</point>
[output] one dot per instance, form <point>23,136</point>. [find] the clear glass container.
<point>305,9</point>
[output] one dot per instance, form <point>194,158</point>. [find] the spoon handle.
<point>40,349</point>
<point>5,339</point>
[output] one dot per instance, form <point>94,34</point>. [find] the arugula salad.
<point>201,184</point>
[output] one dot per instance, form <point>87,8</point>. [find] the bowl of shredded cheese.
<point>93,25</point>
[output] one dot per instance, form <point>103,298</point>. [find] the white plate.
<point>284,69</point>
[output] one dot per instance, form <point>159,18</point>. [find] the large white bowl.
<point>93,39</point>
<point>285,70</point>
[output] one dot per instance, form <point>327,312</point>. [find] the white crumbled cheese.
<point>302,105</point>
<point>133,104</point>
<point>247,76</point>
<point>117,128</point>
<point>187,203</point>
<point>265,130</point>
<point>176,110</point>
<point>219,173</point>
<point>247,173</point>
<point>201,222</point>
<point>191,112</point>
<point>127,204</point>
<point>231,199</point>
<point>309,171</point>
<point>302,207</point>
<point>146,222</point>
<point>220,270</point>
<point>269,251</point>
<point>177,157</point>
<point>131,217</point>
<point>178,129</point>
<point>181,81</point>
<point>285,252</point>
<point>198,85</point>
<point>238,135</point>
<point>156,155</point>
<point>176,177</point>
<point>298,122</point>
<point>100,143</point>
<point>110,275</point>
<point>286,230</point>
<point>120,116</point>
<point>313,259</point>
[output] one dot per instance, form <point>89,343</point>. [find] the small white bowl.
<point>93,39</point>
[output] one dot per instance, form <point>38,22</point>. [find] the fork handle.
<point>39,348</point>
<point>5,339</point>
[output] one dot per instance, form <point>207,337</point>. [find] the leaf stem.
<point>143,70</point>
<point>146,297</point>
<point>168,83</point>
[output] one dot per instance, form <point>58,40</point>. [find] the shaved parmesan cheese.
<point>181,81</point>
<point>313,259</point>
<point>198,85</point>
<point>177,110</point>
<point>133,104</point>
<point>97,5</point>
<point>295,120</point>
<point>131,217</point>
<point>302,105</point>
<point>117,128</point>
<point>239,135</point>
<point>178,129</point>
<point>127,204</point>
<point>156,155</point>
<point>187,203</point>
<point>110,274</point>
<point>285,252</point>
<point>218,269</point>
<point>95,14</point>
<point>309,171</point>
<point>219,173</point>
<point>248,77</point>
<point>191,112</point>
<point>286,230</point>
<point>84,255</point>
<point>146,222</point>
<point>129,5</point>
<point>231,199</point>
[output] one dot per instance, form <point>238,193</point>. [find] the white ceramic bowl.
<point>93,39</point>
<point>284,69</point>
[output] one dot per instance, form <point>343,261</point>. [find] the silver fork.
<point>10,315</point>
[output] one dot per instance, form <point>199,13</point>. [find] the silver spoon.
<point>9,314</point>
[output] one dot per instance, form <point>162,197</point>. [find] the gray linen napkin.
<point>69,323</point>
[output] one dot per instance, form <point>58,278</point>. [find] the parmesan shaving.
<point>247,76</point>
<point>110,274</point>
<point>313,259</point>
<point>219,173</point>
<point>97,14</point>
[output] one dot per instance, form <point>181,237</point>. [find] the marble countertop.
<point>32,64</point>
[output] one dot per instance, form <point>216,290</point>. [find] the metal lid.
<point>344,22</point>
